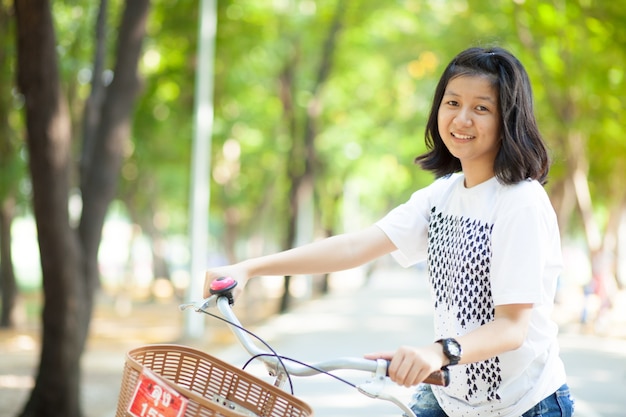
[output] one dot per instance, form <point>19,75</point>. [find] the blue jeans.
<point>559,404</point>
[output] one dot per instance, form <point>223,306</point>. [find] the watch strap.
<point>452,350</point>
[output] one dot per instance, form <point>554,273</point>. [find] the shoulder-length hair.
<point>523,154</point>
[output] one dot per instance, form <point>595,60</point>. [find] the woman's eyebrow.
<point>486,98</point>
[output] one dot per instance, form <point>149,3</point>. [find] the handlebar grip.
<point>440,377</point>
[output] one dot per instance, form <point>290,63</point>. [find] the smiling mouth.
<point>461,136</point>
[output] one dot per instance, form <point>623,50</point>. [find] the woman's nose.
<point>463,118</point>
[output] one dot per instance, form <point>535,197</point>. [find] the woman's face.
<point>469,123</point>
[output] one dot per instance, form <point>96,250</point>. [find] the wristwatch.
<point>452,350</point>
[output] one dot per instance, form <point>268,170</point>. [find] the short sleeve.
<point>519,256</point>
<point>407,225</point>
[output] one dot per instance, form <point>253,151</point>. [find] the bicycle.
<point>175,381</point>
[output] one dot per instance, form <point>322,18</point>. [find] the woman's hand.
<point>409,365</point>
<point>236,272</point>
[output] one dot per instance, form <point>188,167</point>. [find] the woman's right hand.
<point>236,272</point>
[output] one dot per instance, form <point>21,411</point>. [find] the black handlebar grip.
<point>440,377</point>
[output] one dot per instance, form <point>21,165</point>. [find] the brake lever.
<point>200,305</point>
<point>375,388</point>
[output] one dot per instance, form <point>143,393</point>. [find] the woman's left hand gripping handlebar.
<point>411,365</point>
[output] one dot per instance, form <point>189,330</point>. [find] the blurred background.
<point>142,141</point>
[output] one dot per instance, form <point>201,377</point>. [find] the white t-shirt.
<point>488,245</point>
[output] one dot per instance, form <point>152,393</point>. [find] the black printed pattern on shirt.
<point>459,261</point>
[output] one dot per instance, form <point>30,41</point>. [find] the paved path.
<point>390,310</point>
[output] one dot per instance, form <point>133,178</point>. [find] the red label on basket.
<point>154,398</point>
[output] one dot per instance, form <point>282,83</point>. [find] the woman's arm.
<point>332,254</point>
<point>506,332</point>
<point>411,365</point>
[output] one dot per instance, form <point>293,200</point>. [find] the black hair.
<point>522,154</point>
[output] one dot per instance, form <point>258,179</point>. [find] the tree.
<point>69,254</point>
<point>11,174</point>
<point>585,109</point>
<point>303,130</point>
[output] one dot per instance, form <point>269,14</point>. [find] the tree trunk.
<point>99,184</point>
<point>8,285</point>
<point>93,105</point>
<point>56,391</point>
<point>68,259</point>
<point>610,241</point>
<point>8,158</point>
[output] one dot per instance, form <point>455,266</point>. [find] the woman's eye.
<point>452,103</point>
<point>481,108</point>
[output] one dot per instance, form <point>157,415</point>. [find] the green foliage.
<point>12,159</point>
<point>580,83</point>
<point>375,103</point>
<point>373,107</point>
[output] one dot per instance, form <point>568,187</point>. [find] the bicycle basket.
<point>212,387</point>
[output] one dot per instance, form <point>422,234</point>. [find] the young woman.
<point>491,241</point>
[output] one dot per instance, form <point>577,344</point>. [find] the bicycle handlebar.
<point>277,367</point>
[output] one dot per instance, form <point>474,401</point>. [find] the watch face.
<point>454,348</point>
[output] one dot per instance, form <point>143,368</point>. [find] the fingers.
<point>233,271</point>
<point>379,355</point>
<point>408,376</point>
<point>411,366</point>
<point>406,367</point>
<point>209,277</point>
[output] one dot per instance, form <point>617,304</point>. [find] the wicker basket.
<point>212,387</point>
